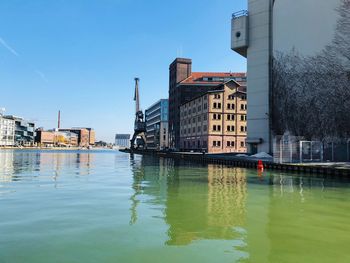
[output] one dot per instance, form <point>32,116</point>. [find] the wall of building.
<point>7,131</point>
<point>122,140</point>
<point>156,117</point>
<point>208,123</point>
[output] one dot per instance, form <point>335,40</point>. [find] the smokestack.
<point>59,120</point>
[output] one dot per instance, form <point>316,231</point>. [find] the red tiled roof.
<point>197,77</point>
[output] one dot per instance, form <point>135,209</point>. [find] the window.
<point>193,120</point>
<point>194,129</point>
<point>228,117</point>
<point>229,106</point>
<point>214,143</point>
<point>205,106</point>
<point>214,116</point>
<point>216,96</point>
<point>228,128</point>
<point>232,106</point>
<point>205,117</point>
<point>219,116</point>
<point>218,143</point>
<point>199,129</point>
<point>242,144</point>
<point>219,127</point>
<point>214,127</point>
<point>231,128</point>
<point>242,106</point>
<point>228,144</point>
<point>219,105</point>
<point>214,105</point>
<point>243,117</point>
<point>232,144</point>
<point>231,97</point>
<point>199,118</point>
<point>199,108</point>
<point>243,128</point>
<point>205,128</point>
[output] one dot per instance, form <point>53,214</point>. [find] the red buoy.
<point>260,165</point>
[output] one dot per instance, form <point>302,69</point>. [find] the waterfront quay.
<point>326,168</point>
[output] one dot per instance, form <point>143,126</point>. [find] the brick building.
<point>184,85</point>
<point>216,121</point>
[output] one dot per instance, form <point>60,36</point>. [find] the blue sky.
<point>81,56</point>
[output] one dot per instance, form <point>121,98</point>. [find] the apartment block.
<point>184,85</point>
<point>24,131</point>
<point>215,122</point>
<point>156,117</point>
<point>7,131</point>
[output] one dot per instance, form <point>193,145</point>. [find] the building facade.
<point>56,138</point>
<point>7,131</point>
<point>156,117</point>
<point>122,140</point>
<point>86,136</point>
<point>24,131</point>
<point>279,49</point>
<point>216,121</point>
<point>184,85</point>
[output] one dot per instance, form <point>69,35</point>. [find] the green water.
<point>112,207</point>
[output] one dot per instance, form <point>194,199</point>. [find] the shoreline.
<point>324,169</point>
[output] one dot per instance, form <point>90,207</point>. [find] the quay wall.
<point>229,160</point>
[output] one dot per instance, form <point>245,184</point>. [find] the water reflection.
<point>207,202</point>
<point>17,165</point>
<point>264,215</point>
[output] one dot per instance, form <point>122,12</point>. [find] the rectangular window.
<point>218,143</point>
<point>228,144</point>
<point>219,105</point>
<point>219,127</point>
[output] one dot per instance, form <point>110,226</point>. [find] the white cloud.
<point>41,75</point>
<point>8,47</point>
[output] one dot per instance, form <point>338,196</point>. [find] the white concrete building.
<point>266,29</point>
<point>7,131</point>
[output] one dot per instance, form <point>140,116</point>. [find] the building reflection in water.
<point>16,165</point>
<point>198,202</point>
<point>211,206</point>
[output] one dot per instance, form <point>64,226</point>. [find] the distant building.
<point>86,136</point>
<point>24,131</point>
<point>122,140</point>
<point>7,131</point>
<point>44,138</point>
<point>56,138</point>
<point>184,85</point>
<point>156,117</point>
<point>216,121</point>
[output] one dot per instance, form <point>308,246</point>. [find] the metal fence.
<point>293,149</point>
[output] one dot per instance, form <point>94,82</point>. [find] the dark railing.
<point>240,14</point>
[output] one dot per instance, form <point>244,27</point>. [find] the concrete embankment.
<point>333,169</point>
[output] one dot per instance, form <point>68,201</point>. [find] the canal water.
<point>106,206</point>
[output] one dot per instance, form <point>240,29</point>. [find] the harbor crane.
<point>140,125</point>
